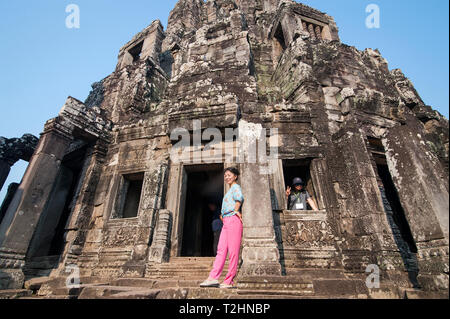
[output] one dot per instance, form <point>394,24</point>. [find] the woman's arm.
<point>312,203</point>
<point>237,206</point>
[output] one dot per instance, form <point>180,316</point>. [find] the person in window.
<point>299,197</point>
<point>231,235</point>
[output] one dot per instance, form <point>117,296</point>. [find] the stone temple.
<point>110,207</point>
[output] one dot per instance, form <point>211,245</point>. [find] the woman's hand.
<point>238,214</point>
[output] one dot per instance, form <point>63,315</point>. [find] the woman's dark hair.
<point>233,170</point>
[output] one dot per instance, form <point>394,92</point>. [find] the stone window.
<point>279,45</point>
<point>315,30</point>
<point>279,37</point>
<point>127,204</point>
<point>136,51</point>
<point>299,168</point>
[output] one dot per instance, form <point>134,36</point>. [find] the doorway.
<point>204,185</point>
<point>49,237</point>
<point>394,211</point>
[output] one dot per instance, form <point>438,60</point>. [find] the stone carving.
<point>13,149</point>
<point>120,236</point>
<point>307,234</point>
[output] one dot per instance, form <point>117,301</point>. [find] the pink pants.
<point>229,242</point>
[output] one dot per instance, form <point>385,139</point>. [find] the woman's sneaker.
<point>226,286</point>
<point>210,283</point>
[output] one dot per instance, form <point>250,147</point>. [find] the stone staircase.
<point>184,267</point>
<point>180,279</point>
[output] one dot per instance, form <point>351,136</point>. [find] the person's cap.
<point>297,181</point>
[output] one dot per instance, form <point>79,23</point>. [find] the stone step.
<point>202,293</point>
<point>306,283</point>
<point>111,292</point>
<point>49,297</point>
<point>159,284</point>
<point>183,283</point>
<point>315,273</point>
<point>177,274</point>
<point>183,267</point>
<point>15,293</point>
<point>144,294</point>
<point>36,283</point>
<point>186,266</point>
<point>273,285</point>
<point>57,286</point>
<point>107,292</point>
<point>59,291</point>
<point>192,259</point>
<point>272,292</point>
<point>134,282</point>
<point>337,287</point>
<point>411,293</point>
<point>268,296</point>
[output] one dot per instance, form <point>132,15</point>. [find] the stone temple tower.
<point>110,195</point>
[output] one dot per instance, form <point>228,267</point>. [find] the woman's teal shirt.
<point>233,195</point>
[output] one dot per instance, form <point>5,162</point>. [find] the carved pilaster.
<point>159,251</point>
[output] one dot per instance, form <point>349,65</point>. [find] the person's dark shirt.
<point>298,200</point>
<point>216,223</point>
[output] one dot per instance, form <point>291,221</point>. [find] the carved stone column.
<point>260,251</point>
<point>34,191</point>
<point>311,31</point>
<point>318,32</point>
<point>159,251</point>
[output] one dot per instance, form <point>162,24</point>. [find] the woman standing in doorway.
<point>231,235</point>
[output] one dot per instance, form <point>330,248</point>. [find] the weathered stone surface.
<point>375,158</point>
<point>12,188</point>
<point>12,150</point>
<point>14,293</point>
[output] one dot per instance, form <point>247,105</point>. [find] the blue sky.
<point>42,61</point>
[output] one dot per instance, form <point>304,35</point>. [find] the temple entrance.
<point>205,185</point>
